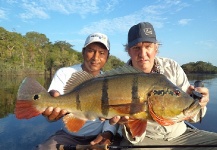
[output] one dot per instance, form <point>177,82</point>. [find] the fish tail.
<point>29,93</point>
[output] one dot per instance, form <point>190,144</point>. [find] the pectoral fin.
<point>137,126</point>
<point>72,123</point>
<point>138,123</point>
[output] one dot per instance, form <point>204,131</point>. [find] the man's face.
<point>143,55</point>
<point>95,56</point>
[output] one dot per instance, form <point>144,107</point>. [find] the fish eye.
<point>36,97</point>
<point>177,92</point>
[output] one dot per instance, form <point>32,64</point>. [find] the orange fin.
<point>137,126</point>
<point>72,123</point>
<point>162,121</point>
<point>25,109</point>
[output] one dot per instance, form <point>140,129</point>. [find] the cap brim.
<point>151,40</point>
<point>96,42</point>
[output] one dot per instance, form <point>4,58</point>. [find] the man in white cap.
<point>95,54</point>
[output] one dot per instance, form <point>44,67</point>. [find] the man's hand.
<point>103,138</point>
<point>54,113</point>
<point>204,91</point>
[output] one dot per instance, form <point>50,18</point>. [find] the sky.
<point>187,29</point>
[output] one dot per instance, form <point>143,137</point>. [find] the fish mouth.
<point>188,112</point>
<point>193,109</point>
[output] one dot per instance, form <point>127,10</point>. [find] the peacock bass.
<point>124,91</point>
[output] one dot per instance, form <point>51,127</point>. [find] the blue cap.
<point>142,32</point>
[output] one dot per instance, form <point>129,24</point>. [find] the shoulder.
<point>174,72</point>
<point>69,70</point>
<point>168,63</point>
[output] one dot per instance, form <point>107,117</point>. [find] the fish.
<point>124,91</point>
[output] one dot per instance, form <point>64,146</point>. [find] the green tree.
<point>199,67</point>
<point>34,54</point>
<point>112,63</point>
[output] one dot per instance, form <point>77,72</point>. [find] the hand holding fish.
<point>204,91</point>
<point>54,113</point>
<point>103,138</point>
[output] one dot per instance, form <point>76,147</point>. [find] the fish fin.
<point>162,121</point>
<point>25,109</point>
<point>29,92</point>
<point>72,123</point>
<point>82,76</point>
<point>75,80</point>
<point>120,70</point>
<point>137,126</point>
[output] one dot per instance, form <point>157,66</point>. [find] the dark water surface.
<point>25,134</point>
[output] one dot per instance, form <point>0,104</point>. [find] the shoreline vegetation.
<point>34,54</point>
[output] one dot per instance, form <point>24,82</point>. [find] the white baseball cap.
<point>98,37</point>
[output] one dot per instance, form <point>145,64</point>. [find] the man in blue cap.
<point>142,48</point>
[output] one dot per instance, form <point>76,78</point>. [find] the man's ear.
<point>156,46</point>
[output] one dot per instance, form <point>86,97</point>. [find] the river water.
<point>25,134</point>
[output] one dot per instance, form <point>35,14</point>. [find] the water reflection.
<point>193,77</point>
<point>21,134</point>
<point>25,134</point>
<point>209,122</point>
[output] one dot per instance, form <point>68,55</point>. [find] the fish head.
<point>169,104</point>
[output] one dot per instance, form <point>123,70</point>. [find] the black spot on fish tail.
<point>104,98</point>
<point>36,97</point>
<point>78,102</point>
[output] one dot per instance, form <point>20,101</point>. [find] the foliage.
<point>112,63</point>
<point>33,53</point>
<point>199,67</point>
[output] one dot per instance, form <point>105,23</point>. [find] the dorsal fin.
<point>126,69</point>
<point>76,79</point>
<point>82,76</point>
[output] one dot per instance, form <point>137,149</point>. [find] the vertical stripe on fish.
<point>104,98</point>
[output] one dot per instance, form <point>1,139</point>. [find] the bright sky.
<point>186,28</point>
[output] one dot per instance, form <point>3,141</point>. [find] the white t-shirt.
<point>91,127</point>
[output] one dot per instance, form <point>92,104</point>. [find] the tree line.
<point>33,53</point>
<point>199,67</point>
